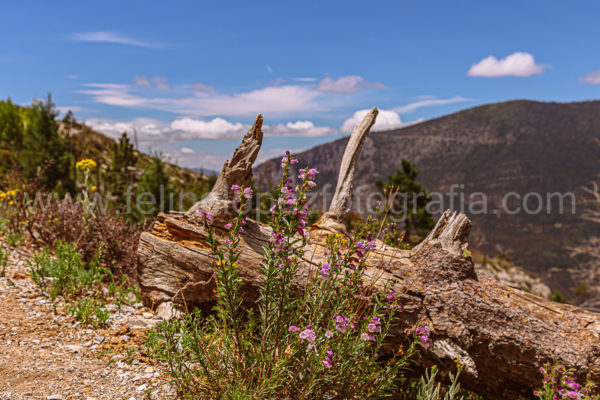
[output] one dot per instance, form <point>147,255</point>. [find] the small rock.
<point>54,397</point>
<point>168,311</point>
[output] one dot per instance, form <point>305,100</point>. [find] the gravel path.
<point>44,355</point>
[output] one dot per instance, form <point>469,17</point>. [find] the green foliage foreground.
<point>319,340</point>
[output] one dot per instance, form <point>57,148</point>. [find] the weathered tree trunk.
<point>502,335</point>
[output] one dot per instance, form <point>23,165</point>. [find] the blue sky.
<point>191,76</point>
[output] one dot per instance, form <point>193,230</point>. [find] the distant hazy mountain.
<point>516,146</point>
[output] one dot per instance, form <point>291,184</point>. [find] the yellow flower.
<point>86,164</point>
<point>234,265</point>
<point>10,203</point>
<point>220,263</point>
<point>93,188</point>
<point>11,193</point>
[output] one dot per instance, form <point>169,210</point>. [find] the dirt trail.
<point>44,355</point>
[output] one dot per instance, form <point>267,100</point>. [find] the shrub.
<point>80,283</point>
<point>319,339</point>
<point>66,274</point>
<point>89,311</point>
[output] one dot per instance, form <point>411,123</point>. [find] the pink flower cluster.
<point>341,323</point>
<point>423,331</point>
<point>328,361</point>
<point>285,161</point>
<point>204,216</point>
<point>561,384</point>
<point>237,191</point>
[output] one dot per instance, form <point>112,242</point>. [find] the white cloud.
<point>217,128</point>
<point>428,101</point>
<point>72,76</point>
<point>593,78</point>
<point>346,84</point>
<point>299,128</point>
<point>306,79</point>
<point>111,37</point>
<point>114,94</point>
<point>386,120</point>
<point>152,132</point>
<point>517,64</point>
<point>149,131</point>
<point>272,99</point>
<point>187,150</point>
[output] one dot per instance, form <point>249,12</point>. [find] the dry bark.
<point>502,335</point>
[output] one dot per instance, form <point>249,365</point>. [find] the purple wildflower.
<point>248,193</point>
<point>329,334</point>
<point>367,337</point>
<point>325,270</point>
<point>374,325</point>
<point>293,328</point>
<point>423,331</point>
<point>228,226</point>
<point>308,334</point>
<point>204,215</point>
<point>328,362</point>
<point>341,323</point>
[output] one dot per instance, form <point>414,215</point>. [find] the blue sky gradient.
<point>191,76</point>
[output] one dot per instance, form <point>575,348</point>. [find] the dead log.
<point>502,335</point>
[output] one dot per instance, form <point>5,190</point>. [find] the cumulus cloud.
<point>517,64</point>
<point>593,78</point>
<point>386,120</point>
<point>299,128</point>
<point>217,128</point>
<point>151,132</point>
<point>111,37</point>
<point>346,84</point>
<point>187,150</point>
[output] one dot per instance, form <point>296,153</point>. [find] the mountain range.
<point>515,154</point>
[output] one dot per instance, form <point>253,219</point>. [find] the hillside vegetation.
<point>36,145</point>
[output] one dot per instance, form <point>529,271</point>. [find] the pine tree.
<point>44,143</point>
<point>154,185</point>
<point>119,175</point>
<point>410,200</point>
